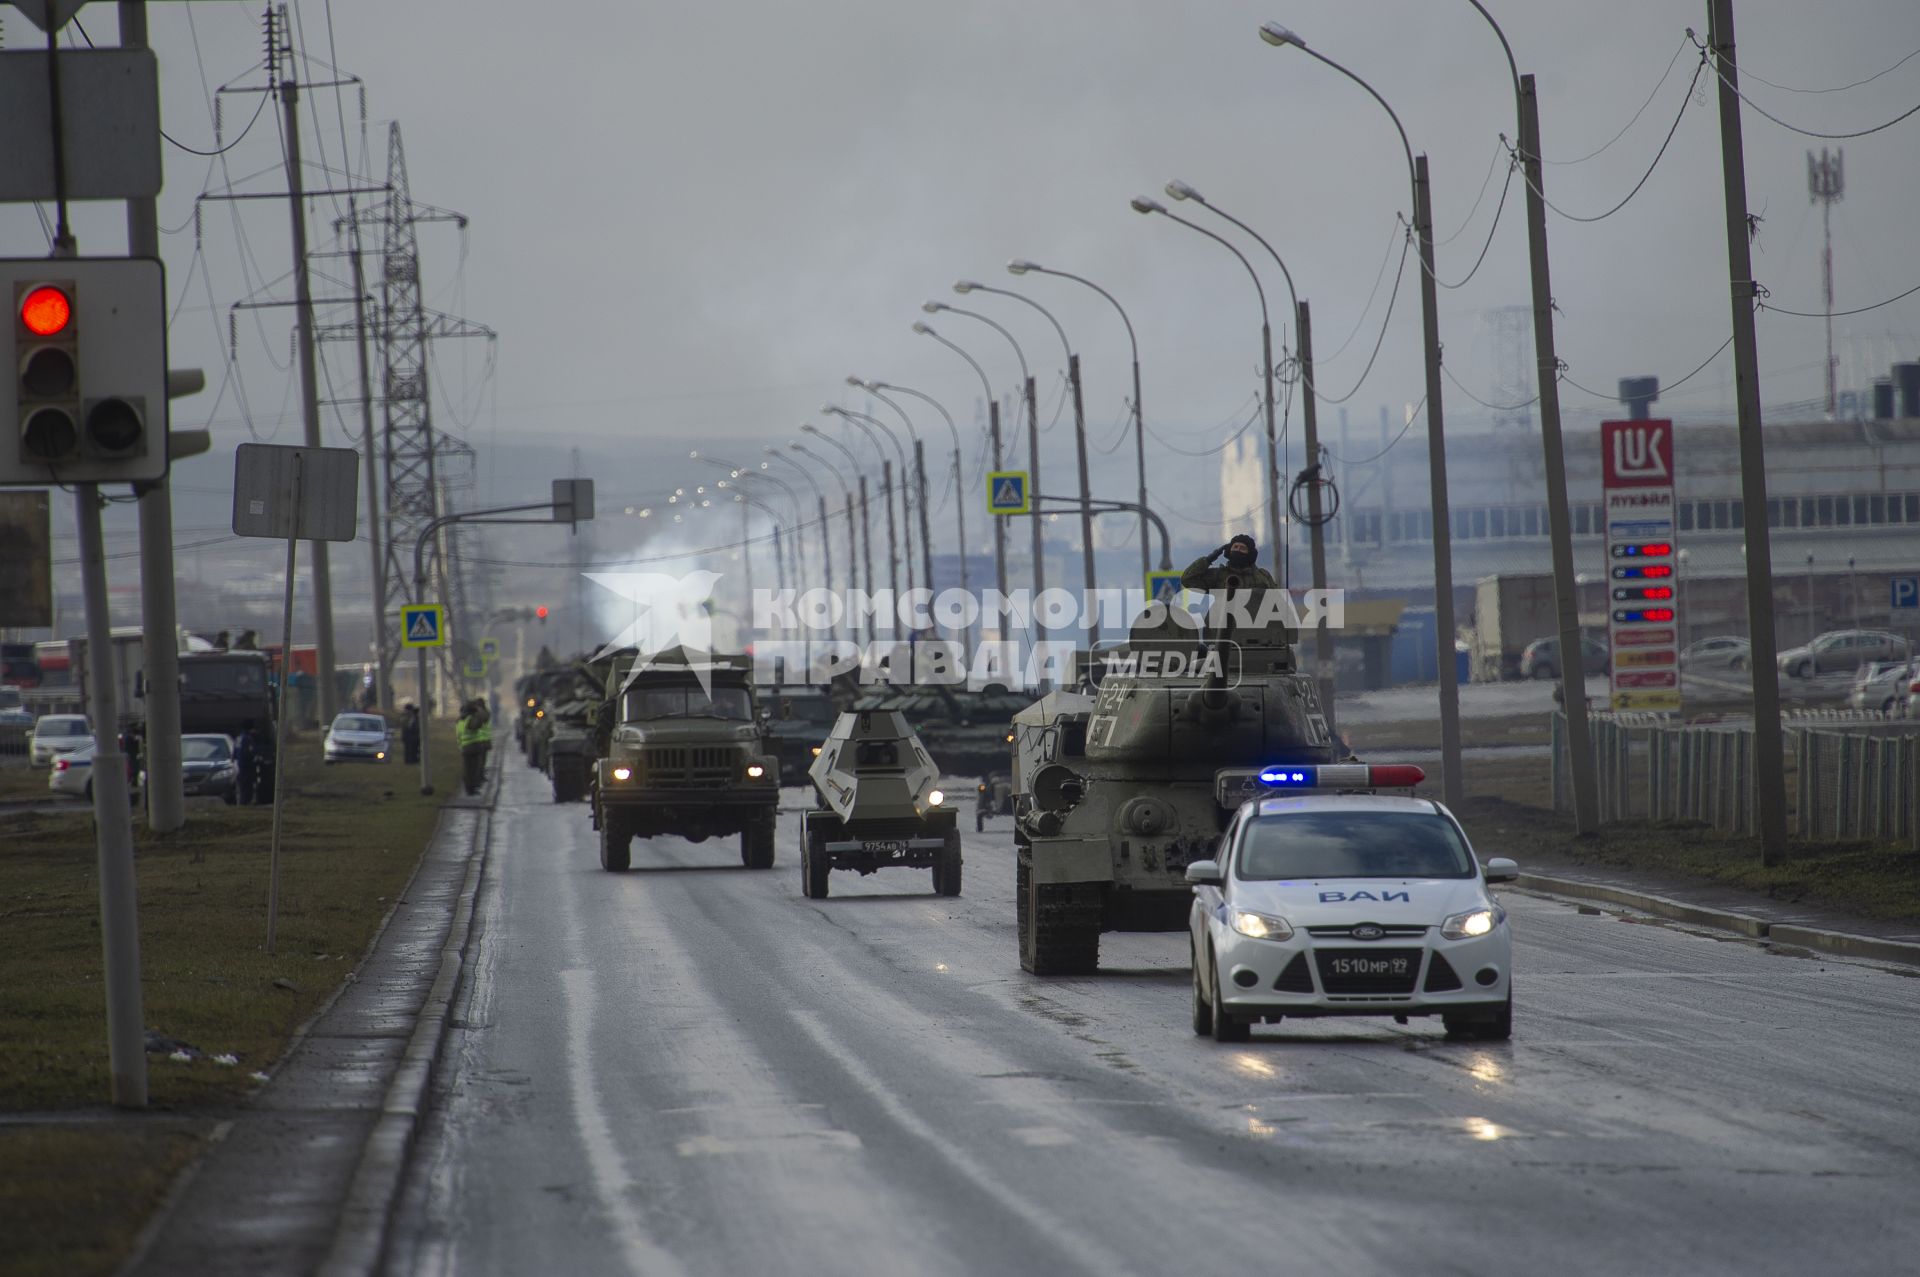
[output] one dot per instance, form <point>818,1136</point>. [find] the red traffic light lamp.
<point>541,613</point>
<point>46,311</point>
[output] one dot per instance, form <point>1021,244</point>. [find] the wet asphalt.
<point>690,1068</point>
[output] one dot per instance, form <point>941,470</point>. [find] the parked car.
<point>1843,650</point>
<point>1883,686</point>
<point>1724,653</point>
<point>72,773</point>
<point>1541,659</point>
<point>56,734</point>
<point>206,767</point>
<point>357,738</point>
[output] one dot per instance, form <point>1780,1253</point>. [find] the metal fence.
<point>1852,777</point>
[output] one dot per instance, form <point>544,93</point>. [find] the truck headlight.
<point>1260,926</point>
<point>623,773</point>
<point>1474,922</point>
<point>755,771</point>
<point>935,797</point>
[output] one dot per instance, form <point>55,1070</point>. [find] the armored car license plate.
<point>1367,965</point>
<point>884,846</point>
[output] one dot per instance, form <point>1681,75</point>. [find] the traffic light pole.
<point>1090,506</point>
<point>113,822</point>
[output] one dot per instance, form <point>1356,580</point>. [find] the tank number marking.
<point>1348,897</point>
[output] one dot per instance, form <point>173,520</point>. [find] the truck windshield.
<point>223,678</point>
<point>1353,844</point>
<point>689,702</point>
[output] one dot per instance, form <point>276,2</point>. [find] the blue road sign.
<point>1007,492</point>
<point>1905,591</point>
<point>423,625</point>
<point>1163,587</point>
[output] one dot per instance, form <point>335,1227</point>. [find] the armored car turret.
<point>879,805</point>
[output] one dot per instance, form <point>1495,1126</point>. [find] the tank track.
<point>1059,925</point>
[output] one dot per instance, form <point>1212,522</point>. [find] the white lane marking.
<point>716,1145</point>
<point>1040,1136</point>
<point>879,1090</point>
<point>612,1185</point>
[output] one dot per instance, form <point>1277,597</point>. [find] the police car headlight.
<point>1475,922</point>
<point>1260,926</point>
<point>935,797</point>
<point>623,773</point>
<point>816,751</point>
<point>755,771</point>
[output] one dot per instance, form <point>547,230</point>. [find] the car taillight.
<point>60,764</point>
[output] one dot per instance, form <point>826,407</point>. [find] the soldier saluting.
<point>1241,572</point>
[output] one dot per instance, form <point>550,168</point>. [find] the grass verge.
<point>352,835</point>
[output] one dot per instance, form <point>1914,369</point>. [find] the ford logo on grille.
<point>1368,931</point>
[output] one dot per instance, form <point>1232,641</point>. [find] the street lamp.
<point>966,286</point>
<point>876,389</point>
<point>865,536</point>
<point>1450,779</point>
<point>846,496</point>
<point>1033,449</point>
<point>795,519</point>
<point>1021,266</point>
<point>820,499</point>
<point>993,435</point>
<point>1586,792</point>
<point>1310,424</point>
<point>1145,206</point>
<point>866,424</point>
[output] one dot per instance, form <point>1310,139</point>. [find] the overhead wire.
<point>1413,415</point>
<point>1674,128</point>
<point>1837,88</point>
<point>1313,383</point>
<point>1795,128</point>
<point>1665,386</point>
<point>1678,50</point>
<point>1836,314</point>
<point>1394,234</point>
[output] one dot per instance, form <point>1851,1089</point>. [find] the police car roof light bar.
<point>1343,776</point>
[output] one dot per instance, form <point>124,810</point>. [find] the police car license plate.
<point>884,846</point>
<point>1369,966</point>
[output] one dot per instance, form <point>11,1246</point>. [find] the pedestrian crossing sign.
<point>423,625</point>
<point>1007,492</point>
<point>1163,587</point>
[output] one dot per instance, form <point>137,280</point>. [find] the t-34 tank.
<point>879,806</point>
<point>1124,780</point>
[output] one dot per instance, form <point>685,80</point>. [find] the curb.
<point>360,1234</point>
<point>1839,943</point>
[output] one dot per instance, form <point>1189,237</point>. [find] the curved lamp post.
<point>853,531</point>
<point>897,534</point>
<point>820,498</point>
<point>795,518</point>
<point>1033,449</point>
<point>1021,266</point>
<point>966,286</point>
<point>866,521</point>
<point>993,435</point>
<point>1143,205</point>
<point>1450,780</point>
<point>919,484</point>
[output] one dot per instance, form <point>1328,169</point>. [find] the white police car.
<point>1328,899</point>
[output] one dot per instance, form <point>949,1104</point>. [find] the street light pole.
<point>1020,267</point>
<point>868,423</point>
<point>920,477</point>
<point>1573,676</point>
<point>826,540</point>
<point>1079,422</point>
<point>1451,785</point>
<point>1143,205</point>
<point>993,432</point>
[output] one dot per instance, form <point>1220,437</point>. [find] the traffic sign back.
<point>423,625</point>
<point>1007,492</point>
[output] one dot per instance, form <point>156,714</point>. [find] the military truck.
<point>540,689</point>
<point>1125,778</point>
<point>965,731</point>
<point>880,806</point>
<point>676,757</point>
<point>802,717</point>
<point>568,747</point>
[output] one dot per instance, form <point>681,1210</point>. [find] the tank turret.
<point>1121,782</point>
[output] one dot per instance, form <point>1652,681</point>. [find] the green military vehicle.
<point>568,746</point>
<point>1123,781</point>
<point>682,759</point>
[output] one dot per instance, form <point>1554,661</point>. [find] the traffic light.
<point>88,354</point>
<point>541,612</point>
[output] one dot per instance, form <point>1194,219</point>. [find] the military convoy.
<point>1122,781</point>
<point>681,750</point>
<point>880,806</point>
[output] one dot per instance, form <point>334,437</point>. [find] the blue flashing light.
<point>1278,776</point>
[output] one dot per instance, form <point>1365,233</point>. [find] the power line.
<point>1682,48</point>
<point>1838,88</point>
<point>1467,221</point>
<point>1394,233</point>
<point>1823,314</point>
<point>1795,128</point>
<point>1497,407</point>
<point>1379,341</point>
<point>1391,443</point>
<point>1675,128</point>
<point>1498,209</point>
<point>1664,387</point>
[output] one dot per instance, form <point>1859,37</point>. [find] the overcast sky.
<point>692,220</point>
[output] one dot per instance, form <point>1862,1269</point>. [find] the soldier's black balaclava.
<point>1241,552</point>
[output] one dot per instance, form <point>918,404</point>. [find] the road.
<point>691,1069</point>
